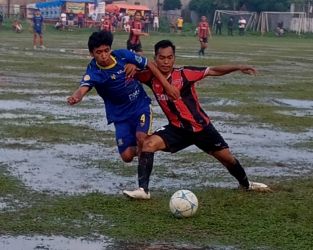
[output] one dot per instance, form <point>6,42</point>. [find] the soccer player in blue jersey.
<point>126,103</point>
<point>37,28</point>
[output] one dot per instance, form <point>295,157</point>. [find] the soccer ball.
<point>183,203</point>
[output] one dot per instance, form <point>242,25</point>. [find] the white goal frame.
<point>296,22</point>
<point>251,20</point>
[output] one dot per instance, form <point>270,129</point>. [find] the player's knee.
<point>127,158</point>
<point>149,145</point>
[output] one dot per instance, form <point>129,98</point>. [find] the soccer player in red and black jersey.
<point>204,33</point>
<point>188,123</point>
<point>106,24</point>
<point>133,42</point>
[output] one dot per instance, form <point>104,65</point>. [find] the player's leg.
<point>41,40</point>
<point>125,136</point>
<point>35,40</point>
<point>211,141</point>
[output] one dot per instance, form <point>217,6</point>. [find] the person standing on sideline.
<point>242,26</point>
<point>179,24</point>
<point>133,42</point>
<point>204,33</point>
<point>156,22</point>
<point>230,26</point>
<point>188,123</point>
<point>1,18</point>
<point>37,29</point>
<point>63,19</point>
<point>218,26</point>
<point>126,103</point>
<point>70,22</point>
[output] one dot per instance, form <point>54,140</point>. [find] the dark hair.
<point>99,38</point>
<point>163,44</point>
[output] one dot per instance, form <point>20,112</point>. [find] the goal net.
<point>225,15</point>
<point>281,22</point>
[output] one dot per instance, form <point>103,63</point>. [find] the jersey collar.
<point>109,66</point>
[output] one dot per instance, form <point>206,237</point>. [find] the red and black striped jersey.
<point>203,29</point>
<point>135,39</point>
<point>185,112</point>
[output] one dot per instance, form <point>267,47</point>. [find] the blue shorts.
<point>125,131</point>
<point>37,30</point>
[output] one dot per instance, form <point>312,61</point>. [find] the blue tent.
<point>57,3</point>
<point>52,10</point>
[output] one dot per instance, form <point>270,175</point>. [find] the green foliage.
<point>208,7</point>
<point>171,4</point>
<point>269,5</point>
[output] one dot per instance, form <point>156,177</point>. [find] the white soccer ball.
<point>183,203</point>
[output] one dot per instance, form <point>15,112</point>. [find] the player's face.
<point>165,60</point>
<point>102,55</point>
<point>137,17</point>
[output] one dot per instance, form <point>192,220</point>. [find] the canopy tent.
<point>56,3</point>
<point>117,7</point>
<point>52,9</point>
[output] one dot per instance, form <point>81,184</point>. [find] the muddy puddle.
<point>62,243</point>
<point>59,168</point>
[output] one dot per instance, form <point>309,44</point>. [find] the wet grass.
<point>55,133</point>
<point>278,220</point>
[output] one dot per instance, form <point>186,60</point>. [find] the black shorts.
<point>134,47</point>
<point>204,40</point>
<point>209,139</point>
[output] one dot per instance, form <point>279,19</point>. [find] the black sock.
<point>145,166</point>
<point>239,173</point>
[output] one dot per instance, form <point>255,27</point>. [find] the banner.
<point>75,7</point>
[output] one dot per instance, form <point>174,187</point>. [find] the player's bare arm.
<point>78,95</point>
<point>226,69</point>
<point>171,91</point>
<point>138,32</point>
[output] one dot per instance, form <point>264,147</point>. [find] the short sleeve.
<point>194,74</point>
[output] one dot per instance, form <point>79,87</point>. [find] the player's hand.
<point>248,70</point>
<point>130,70</point>
<point>71,100</point>
<point>173,92</point>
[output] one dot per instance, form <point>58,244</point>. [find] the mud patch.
<point>52,243</point>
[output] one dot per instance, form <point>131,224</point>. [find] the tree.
<point>268,5</point>
<point>171,4</point>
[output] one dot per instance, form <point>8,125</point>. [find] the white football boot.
<point>137,194</point>
<point>257,187</point>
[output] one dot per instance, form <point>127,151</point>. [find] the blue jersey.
<point>37,22</point>
<point>123,97</point>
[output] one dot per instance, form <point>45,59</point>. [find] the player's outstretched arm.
<point>78,95</point>
<point>171,91</point>
<point>226,69</point>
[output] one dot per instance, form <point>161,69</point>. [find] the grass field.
<point>61,176</point>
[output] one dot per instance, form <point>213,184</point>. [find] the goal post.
<point>224,15</point>
<point>286,21</point>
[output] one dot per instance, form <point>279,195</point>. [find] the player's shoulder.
<point>121,53</point>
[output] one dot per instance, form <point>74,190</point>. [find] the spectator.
<point>242,26</point>
<point>1,18</point>
<point>80,20</point>
<point>218,26</point>
<point>70,18</point>
<point>17,26</point>
<point>63,20</point>
<point>230,26</point>
<point>156,22</point>
<point>179,24</point>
